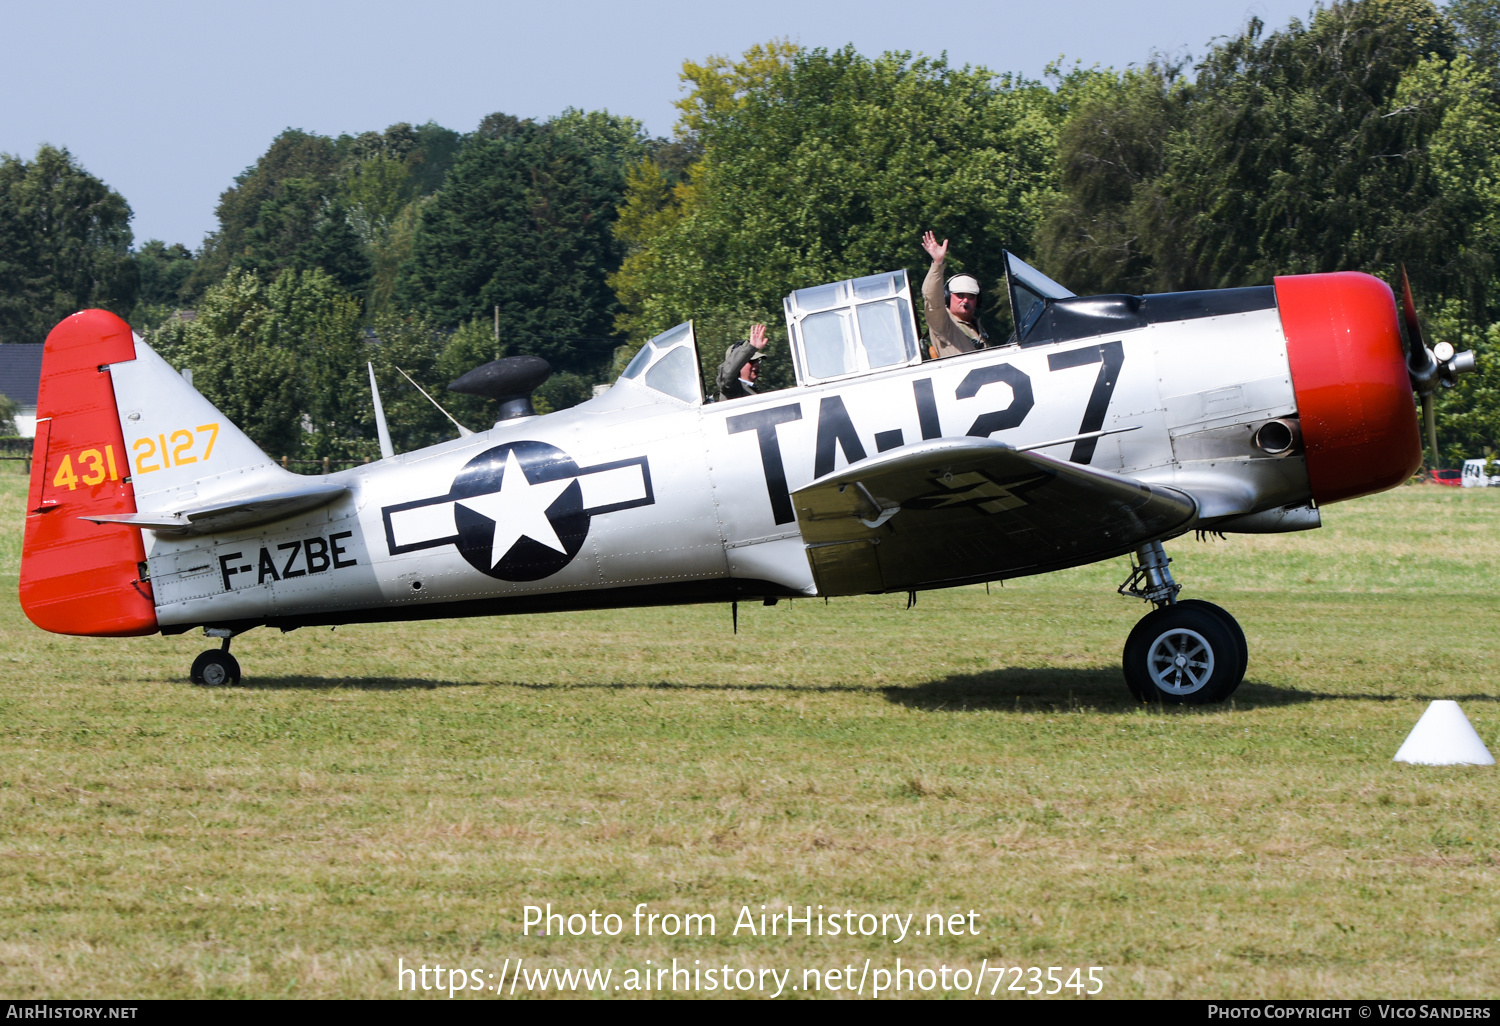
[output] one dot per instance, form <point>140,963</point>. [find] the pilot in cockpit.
<point>952,307</point>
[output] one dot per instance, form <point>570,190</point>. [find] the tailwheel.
<point>1185,653</point>
<point>216,668</point>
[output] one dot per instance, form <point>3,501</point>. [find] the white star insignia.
<point>518,510</point>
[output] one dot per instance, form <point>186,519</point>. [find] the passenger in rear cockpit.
<point>952,307</point>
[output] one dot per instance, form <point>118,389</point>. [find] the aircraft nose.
<point>1354,398</point>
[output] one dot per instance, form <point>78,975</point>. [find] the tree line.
<point>1362,138</point>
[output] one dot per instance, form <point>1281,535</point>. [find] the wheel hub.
<point>1180,661</point>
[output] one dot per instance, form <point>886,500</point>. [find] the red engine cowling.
<point>1354,397</point>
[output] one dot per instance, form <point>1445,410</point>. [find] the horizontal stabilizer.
<point>231,513</point>
<point>951,510</point>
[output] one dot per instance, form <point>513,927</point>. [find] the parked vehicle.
<point>1474,475</point>
<point>1451,478</point>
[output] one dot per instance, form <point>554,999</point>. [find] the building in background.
<point>20,374</point>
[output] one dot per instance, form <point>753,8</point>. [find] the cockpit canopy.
<point>670,364</point>
<point>848,328</point>
<point>1046,312</point>
<point>1030,290</point>
<point>851,327</point>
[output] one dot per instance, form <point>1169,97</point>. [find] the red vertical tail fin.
<point>78,577</point>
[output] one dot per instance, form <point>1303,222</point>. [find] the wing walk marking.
<point>429,523</point>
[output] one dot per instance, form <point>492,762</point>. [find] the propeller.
<point>1429,367</point>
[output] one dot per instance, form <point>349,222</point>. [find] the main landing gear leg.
<point>1189,652</point>
<point>216,667</point>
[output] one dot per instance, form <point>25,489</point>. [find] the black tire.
<point>1182,655</point>
<point>1234,629</point>
<point>215,668</point>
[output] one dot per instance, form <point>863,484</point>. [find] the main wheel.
<point>215,668</point>
<point>1234,629</point>
<point>1182,654</point>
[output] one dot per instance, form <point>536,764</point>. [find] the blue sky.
<point>168,101</point>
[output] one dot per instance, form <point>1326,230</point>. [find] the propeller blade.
<point>1421,365</point>
<point>1414,346</point>
<point>1428,368</point>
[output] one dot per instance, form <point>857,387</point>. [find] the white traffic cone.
<point>1444,737</point>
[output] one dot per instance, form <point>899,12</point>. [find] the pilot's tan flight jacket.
<point>951,335</point>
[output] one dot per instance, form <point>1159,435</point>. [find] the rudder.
<point>79,577</point>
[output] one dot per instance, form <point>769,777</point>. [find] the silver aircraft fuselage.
<point>642,497</point>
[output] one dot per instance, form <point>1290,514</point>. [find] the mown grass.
<point>402,791</point>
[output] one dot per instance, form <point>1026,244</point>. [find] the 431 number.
<point>94,467</point>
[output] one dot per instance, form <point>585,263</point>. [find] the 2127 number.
<point>176,449</point>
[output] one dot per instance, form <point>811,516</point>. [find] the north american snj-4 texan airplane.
<point>1108,425</point>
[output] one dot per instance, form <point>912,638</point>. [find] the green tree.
<point>8,411</point>
<point>1363,139</point>
<point>471,345</point>
<point>1466,166</point>
<point>722,85</point>
<point>64,245</point>
<point>1478,24</point>
<point>385,179</point>
<point>303,227</point>
<point>375,191</point>
<point>822,165</point>
<point>1456,118</point>
<point>1306,149</point>
<point>562,391</point>
<point>343,205</point>
<point>523,223</point>
<point>1298,156</point>
<point>615,142</point>
<point>164,271</point>
<point>293,156</point>
<point>284,361</point>
<point>1107,229</point>
<point>426,151</point>
<point>422,351</point>
<point>1468,415</point>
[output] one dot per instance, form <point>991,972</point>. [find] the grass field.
<point>402,792</point>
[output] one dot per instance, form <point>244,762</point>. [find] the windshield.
<point>672,358</point>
